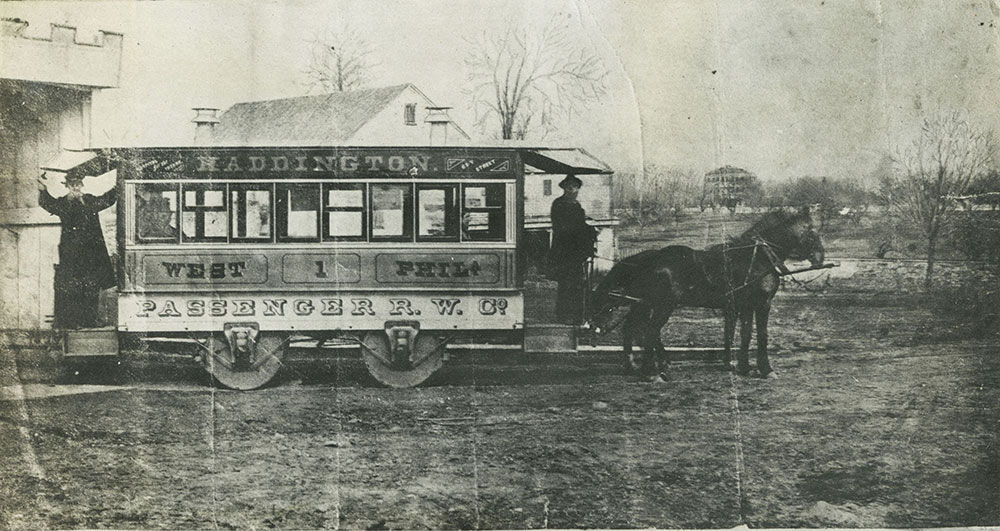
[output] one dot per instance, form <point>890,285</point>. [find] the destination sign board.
<point>290,269</point>
<point>332,268</point>
<point>215,268</point>
<point>410,268</point>
<point>233,163</point>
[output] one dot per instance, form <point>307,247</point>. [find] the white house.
<point>541,187</point>
<point>400,115</point>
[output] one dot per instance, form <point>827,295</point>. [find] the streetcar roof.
<point>555,160</point>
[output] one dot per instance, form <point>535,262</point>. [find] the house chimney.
<point>204,124</point>
<point>439,120</point>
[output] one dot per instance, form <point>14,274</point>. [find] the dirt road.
<point>883,416</point>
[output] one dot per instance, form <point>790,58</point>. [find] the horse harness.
<point>777,265</point>
<point>760,244</point>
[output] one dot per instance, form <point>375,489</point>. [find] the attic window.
<point>410,114</point>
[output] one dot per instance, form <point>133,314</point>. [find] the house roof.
<point>321,119</point>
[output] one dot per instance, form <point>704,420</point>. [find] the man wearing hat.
<point>84,267</point>
<point>572,245</point>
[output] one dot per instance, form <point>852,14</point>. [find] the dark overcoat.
<point>83,255</point>
<point>572,238</point>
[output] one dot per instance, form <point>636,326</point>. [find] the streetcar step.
<point>90,342</point>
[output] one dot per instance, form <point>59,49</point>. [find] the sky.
<point>780,88</point>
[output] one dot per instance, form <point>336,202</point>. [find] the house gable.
<point>389,126</point>
<point>370,117</point>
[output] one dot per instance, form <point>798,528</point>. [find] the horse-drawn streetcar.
<point>401,250</point>
<point>242,251</point>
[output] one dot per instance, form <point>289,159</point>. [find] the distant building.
<point>46,85</point>
<point>728,187</point>
<point>400,115</point>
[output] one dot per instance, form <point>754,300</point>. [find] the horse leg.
<point>627,345</point>
<point>729,330</point>
<point>763,364</point>
<point>630,330</point>
<point>653,343</point>
<point>746,329</point>
<point>628,334</point>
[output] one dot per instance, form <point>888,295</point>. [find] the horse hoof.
<point>771,376</point>
<point>743,372</point>
<point>658,379</point>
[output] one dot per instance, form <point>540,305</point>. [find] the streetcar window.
<point>156,212</point>
<point>203,213</point>
<point>250,212</point>
<point>391,212</point>
<point>483,212</point>
<point>437,213</point>
<point>298,212</point>
<point>344,212</point>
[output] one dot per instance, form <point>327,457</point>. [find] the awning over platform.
<point>565,161</point>
<point>85,162</point>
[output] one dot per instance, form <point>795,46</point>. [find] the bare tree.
<point>936,167</point>
<point>657,192</point>
<point>339,60</point>
<point>526,79</point>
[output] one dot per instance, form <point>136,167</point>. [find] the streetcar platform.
<point>90,342</point>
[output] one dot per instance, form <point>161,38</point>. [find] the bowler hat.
<point>570,180</point>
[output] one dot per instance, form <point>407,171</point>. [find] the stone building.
<point>46,86</point>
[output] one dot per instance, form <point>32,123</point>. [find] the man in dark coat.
<point>84,267</point>
<point>572,245</point>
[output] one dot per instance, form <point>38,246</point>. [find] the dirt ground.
<point>885,415</point>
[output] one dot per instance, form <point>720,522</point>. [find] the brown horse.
<point>740,277</point>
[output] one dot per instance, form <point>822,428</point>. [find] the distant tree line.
<point>660,193</point>
<point>929,196</point>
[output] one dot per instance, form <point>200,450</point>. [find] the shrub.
<point>976,235</point>
<point>891,234</point>
<point>973,309</point>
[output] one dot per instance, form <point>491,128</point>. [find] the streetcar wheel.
<point>245,375</point>
<point>426,359</point>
